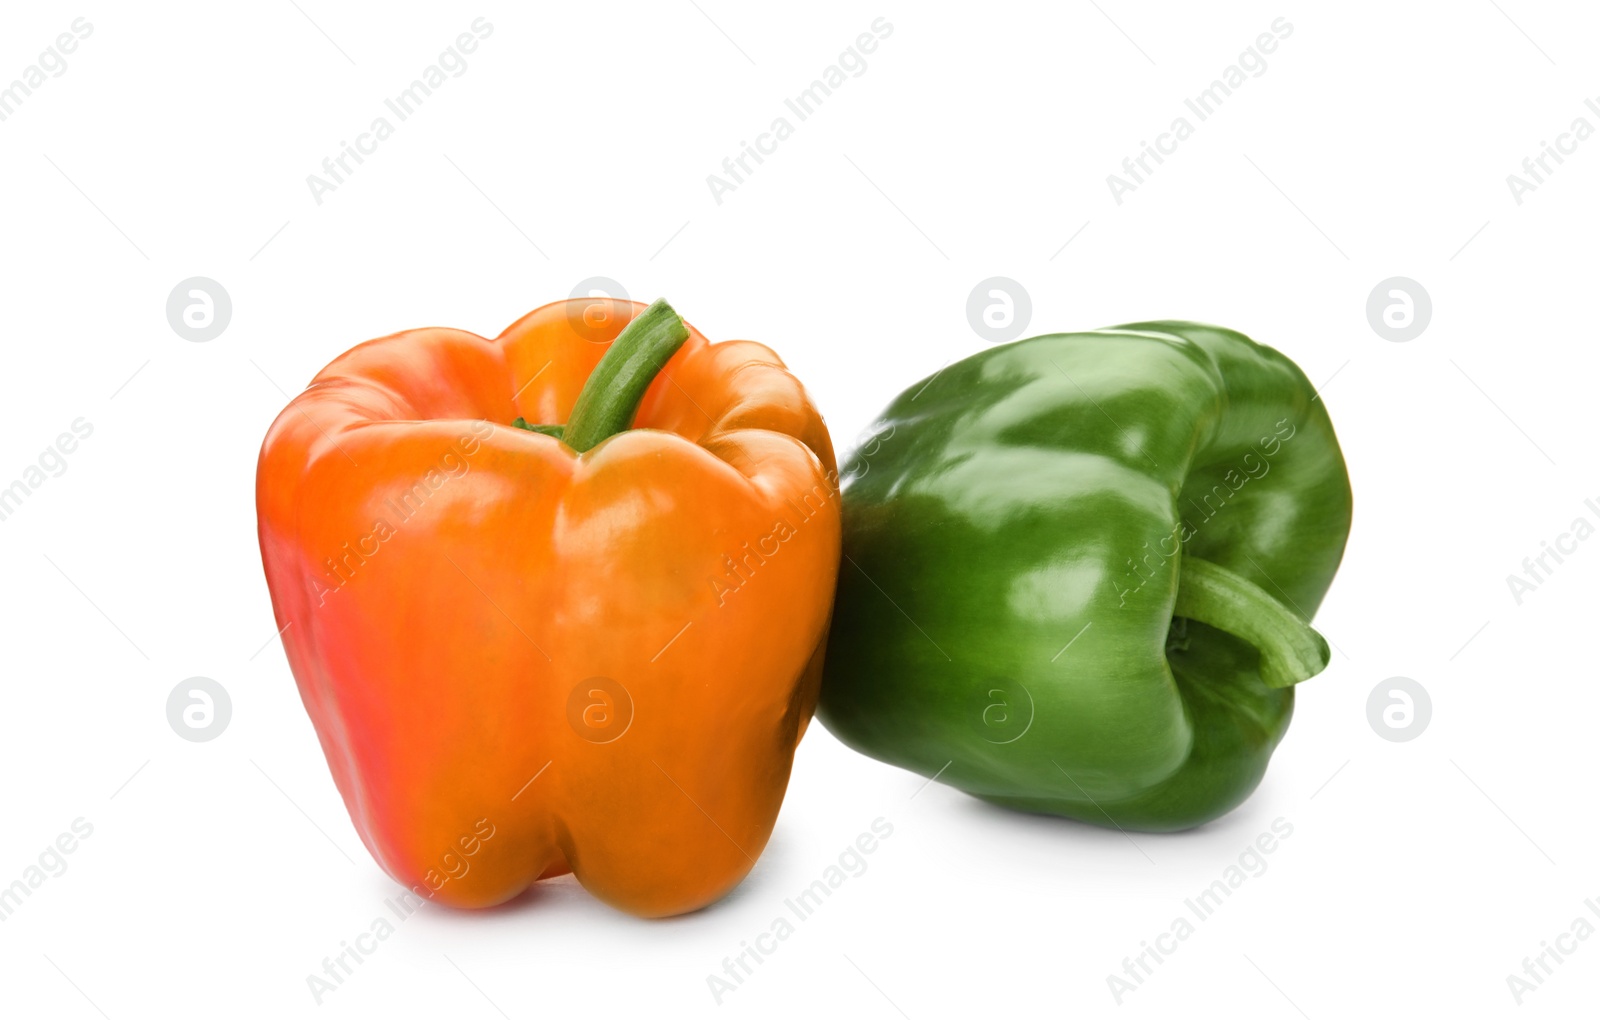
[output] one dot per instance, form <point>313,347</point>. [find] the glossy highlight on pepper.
<point>1079,571</point>
<point>581,651</point>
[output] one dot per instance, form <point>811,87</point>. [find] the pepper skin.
<point>1077,570</point>
<point>523,660</point>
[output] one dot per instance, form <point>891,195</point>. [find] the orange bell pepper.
<point>526,655</point>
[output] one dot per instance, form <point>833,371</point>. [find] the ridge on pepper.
<point>1081,569</point>
<point>514,640</point>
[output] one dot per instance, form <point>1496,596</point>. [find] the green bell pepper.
<point>1078,569</point>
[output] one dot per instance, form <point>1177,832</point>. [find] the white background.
<point>577,143</point>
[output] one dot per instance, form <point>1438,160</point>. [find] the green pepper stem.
<point>611,396</point>
<point>1290,650</point>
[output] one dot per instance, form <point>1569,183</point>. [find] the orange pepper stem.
<point>611,397</point>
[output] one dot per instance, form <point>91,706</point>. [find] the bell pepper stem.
<point>610,398</point>
<point>1290,650</point>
